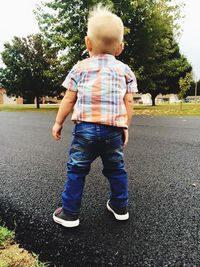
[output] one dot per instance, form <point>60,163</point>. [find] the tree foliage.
<point>31,68</point>
<point>150,30</point>
<point>36,65</point>
<point>185,84</point>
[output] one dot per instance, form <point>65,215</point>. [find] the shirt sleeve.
<point>131,82</point>
<point>71,81</point>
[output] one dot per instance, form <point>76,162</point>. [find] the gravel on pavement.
<point>163,162</point>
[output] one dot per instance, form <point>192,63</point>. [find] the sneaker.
<point>65,219</point>
<point>120,214</point>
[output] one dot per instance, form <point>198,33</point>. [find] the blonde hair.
<point>105,28</point>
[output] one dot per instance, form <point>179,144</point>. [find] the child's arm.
<point>128,101</point>
<point>66,106</point>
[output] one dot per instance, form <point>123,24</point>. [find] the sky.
<point>17,19</point>
<point>190,38</point>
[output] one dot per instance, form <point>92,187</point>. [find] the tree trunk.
<point>37,102</point>
<point>153,100</point>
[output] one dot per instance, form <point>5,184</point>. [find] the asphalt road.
<point>163,162</point>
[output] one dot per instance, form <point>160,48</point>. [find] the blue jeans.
<point>91,141</point>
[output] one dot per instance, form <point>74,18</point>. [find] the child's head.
<point>105,32</point>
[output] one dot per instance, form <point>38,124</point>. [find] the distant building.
<point>1,95</point>
<point>170,98</point>
<point>142,99</point>
<point>52,99</point>
<point>192,99</point>
<point>146,99</point>
<point>4,99</point>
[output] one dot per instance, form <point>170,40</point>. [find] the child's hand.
<point>125,137</point>
<point>56,131</point>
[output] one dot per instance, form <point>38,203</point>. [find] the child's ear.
<point>88,44</point>
<point>119,49</point>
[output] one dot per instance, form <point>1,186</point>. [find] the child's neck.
<point>93,54</point>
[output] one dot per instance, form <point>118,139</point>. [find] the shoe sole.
<point>118,217</point>
<point>64,223</point>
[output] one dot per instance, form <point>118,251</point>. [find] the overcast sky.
<point>17,19</point>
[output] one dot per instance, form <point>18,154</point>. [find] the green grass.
<point>188,109</point>
<point>39,263</point>
<point>28,107</point>
<point>6,236</point>
<point>12,255</point>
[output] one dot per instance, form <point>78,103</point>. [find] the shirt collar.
<point>104,55</point>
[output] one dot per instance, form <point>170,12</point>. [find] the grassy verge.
<point>13,256</point>
<point>28,107</point>
<point>188,109</point>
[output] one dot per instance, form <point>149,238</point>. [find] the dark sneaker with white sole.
<point>121,214</point>
<point>65,219</point>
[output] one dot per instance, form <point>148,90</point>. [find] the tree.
<point>195,88</point>
<point>150,46</point>
<point>170,69</point>
<point>30,68</point>
<point>185,84</point>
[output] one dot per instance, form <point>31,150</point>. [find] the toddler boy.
<point>100,93</point>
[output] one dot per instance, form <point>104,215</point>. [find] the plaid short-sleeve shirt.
<point>101,83</point>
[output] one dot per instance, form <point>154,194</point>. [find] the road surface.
<point>163,163</point>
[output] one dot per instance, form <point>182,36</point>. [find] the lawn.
<point>28,107</point>
<point>12,255</point>
<point>188,109</point>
